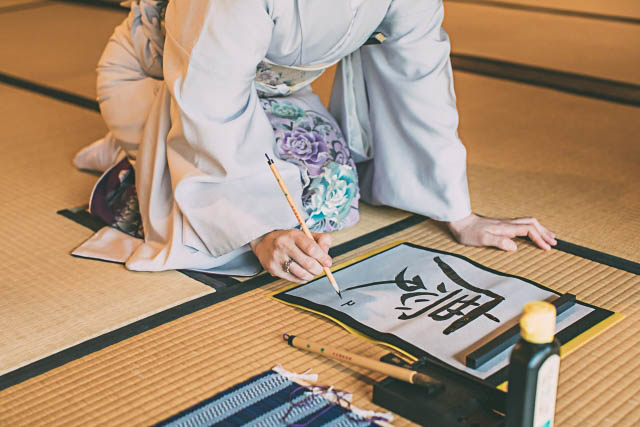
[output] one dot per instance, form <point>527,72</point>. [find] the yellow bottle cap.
<point>538,322</point>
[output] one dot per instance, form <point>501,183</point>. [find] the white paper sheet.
<point>419,296</point>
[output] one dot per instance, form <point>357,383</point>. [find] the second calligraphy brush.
<point>431,385</point>
<point>304,227</point>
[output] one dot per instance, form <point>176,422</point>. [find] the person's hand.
<point>476,230</point>
<point>307,257</point>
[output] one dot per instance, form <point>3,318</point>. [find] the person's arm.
<point>418,162</point>
<point>218,193</point>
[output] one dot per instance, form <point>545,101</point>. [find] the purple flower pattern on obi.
<point>315,144</point>
<point>304,148</point>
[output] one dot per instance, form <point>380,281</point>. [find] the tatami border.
<point>51,92</point>
<point>104,4</point>
<point>25,6</point>
<point>573,83</point>
<point>551,10</point>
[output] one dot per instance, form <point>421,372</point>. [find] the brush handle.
<point>403,374</point>
<point>304,227</point>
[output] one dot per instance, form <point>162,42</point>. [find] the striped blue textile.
<point>265,400</point>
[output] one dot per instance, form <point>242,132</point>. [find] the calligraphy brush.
<point>306,231</point>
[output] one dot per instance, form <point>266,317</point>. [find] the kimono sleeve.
<point>221,191</point>
<point>418,162</point>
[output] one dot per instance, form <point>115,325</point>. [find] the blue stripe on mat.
<point>336,417</point>
<point>231,401</point>
<point>264,400</point>
<point>309,407</point>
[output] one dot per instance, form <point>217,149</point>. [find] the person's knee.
<point>124,91</point>
<point>125,107</point>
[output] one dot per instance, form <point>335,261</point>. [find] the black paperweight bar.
<point>509,337</point>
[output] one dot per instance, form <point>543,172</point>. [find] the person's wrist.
<point>457,226</point>
<point>255,242</point>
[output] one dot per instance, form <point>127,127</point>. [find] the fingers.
<point>500,242</point>
<point>291,271</point>
<point>547,235</point>
<point>323,240</point>
<point>481,231</point>
<point>313,249</point>
<point>307,255</point>
<point>277,267</point>
<point>310,266</point>
<point>310,256</point>
<point>301,275</point>
<point>513,230</point>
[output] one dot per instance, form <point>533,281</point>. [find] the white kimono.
<point>203,184</point>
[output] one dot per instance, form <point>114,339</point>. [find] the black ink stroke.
<point>476,312</point>
<point>399,281</point>
<point>448,271</point>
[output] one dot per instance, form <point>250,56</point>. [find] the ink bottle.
<point>533,369</point>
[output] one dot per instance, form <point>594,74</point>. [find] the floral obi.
<point>311,139</point>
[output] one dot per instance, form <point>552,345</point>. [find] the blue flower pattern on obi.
<point>331,195</point>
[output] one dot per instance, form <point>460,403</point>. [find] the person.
<point>196,92</point>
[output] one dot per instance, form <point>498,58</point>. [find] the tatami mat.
<point>570,161</point>
<point>57,45</point>
<point>160,372</point>
<point>74,299</point>
<point>626,8</point>
<point>584,46</point>
<point>58,300</point>
<point>48,299</point>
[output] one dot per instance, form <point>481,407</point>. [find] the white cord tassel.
<point>292,376</point>
<point>387,416</point>
<point>333,396</point>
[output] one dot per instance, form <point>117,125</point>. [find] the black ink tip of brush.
<point>339,294</point>
<point>269,160</point>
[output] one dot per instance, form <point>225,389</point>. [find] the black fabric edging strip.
<point>83,217</point>
<point>95,344</point>
<point>25,6</point>
<point>552,11</point>
<point>577,84</point>
<point>216,281</point>
<point>58,94</point>
<point>372,236</point>
<point>599,257</point>
<point>104,4</point>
